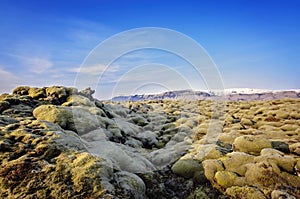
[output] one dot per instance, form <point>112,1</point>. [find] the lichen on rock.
<point>58,142</point>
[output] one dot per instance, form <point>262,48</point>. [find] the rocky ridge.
<point>58,142</point>
<point>230,95</point>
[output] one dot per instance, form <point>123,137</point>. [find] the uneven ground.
<point>57,142</point>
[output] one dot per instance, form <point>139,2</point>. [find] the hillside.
<point>227,94</point>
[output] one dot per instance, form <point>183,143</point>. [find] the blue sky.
<point>254,43</point>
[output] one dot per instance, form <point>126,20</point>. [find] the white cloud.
<point>7,81</point>
<point>37,65</point>
<point>95,69</point>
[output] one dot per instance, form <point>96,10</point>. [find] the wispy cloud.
<point>7,80</point>
<point>95,69</point>
<point>34,63</point>
<point>38,65</point>
<point>85,34</point>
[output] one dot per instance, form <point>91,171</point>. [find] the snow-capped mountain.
<point>233,94</point>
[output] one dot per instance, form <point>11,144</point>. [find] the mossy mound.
<point>58,142</point>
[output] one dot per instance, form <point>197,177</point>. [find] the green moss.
<point>198,194</point>
<point>225,178</point>
<point>245,192</point>
<point>37,93</point>
<point>21,90</point>
<point>160,144</point>
<point>187,168</point>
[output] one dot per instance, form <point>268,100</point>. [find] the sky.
<point>252,44</point>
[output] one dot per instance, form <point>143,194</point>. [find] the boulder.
<point>285,162</point>
<point>178,137</point>
<point>268,174</point>
<point>21,90</point>
<point>295,148</point>
<point>148,138</point>
<point>78,100</point>
<point>75,119</point>
<point>128,128</point>
<point>228,179</point>
<point>281,146</point>
<point>96,135</point>
<point>71,140</point>
<point>59,115</point>
<point>87,92</point>
<point>59,94</point>
<point>251,144</point>
<point>169,154</point>
<point>236,162</point>
<point>117,111</point>
<point>131,184</point>
<point>295,115</point>
<point>37,93</point>
<point>98,111</point>
<point>246,122</point>
<point>187,168</point>
<point>211,167</point>
<point>289,127</point>
<point>45,125</point>
<point>282,114</point>
<point>85,166</point>
<point>202,152</point>
<point>115,132</point>
<point>138,120</point>
<point>121,157</point>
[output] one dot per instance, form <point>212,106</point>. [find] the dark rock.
<point>165,184</point>
<point>236,121</point>
<point>5,145</point>
<point>280,146</point>
<point>4,105</point>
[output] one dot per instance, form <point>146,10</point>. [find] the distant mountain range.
<point>228,94</point>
